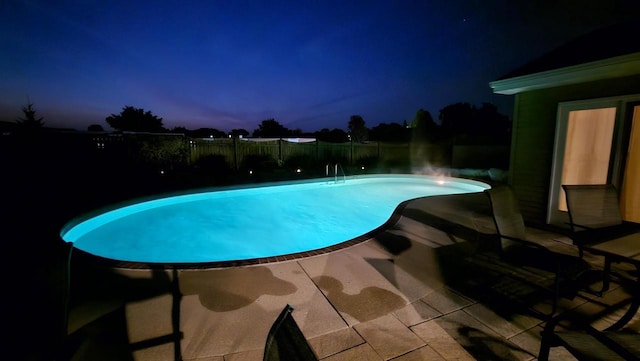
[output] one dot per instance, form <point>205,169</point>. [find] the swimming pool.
<point>252,223</point>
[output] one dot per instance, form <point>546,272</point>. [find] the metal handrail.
<point>335,172</point>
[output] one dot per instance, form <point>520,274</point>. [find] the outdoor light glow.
<point>298,170</point>
<point>250,172</point>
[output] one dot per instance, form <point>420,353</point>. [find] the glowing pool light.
<point>246,223</point>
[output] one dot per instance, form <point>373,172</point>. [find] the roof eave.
<point>619,66</point>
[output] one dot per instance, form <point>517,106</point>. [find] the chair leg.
<point>606,275</point>
<point>545,347</point>
<point>548,340</point>
<point>556,296</point>
<point>606,279</point>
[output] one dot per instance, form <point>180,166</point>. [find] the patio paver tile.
<point>515,324</point>
<point>415,313</point>
<point>421,354</point>
<point>363,352</point>
<point>335,342</point>
<point>528,340</point>
<point>413,268</point>
<point>445,300</point>
<point>353,286</point>
<point>251,355</point>
<point>478,339</point>
<point>388,336</point>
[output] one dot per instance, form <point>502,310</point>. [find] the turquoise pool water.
<point>246,223</point>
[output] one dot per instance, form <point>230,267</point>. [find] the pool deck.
<point>407,293</point>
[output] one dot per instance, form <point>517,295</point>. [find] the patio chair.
<point>594,214</point>
<point>564,269</point>
<point>286,341</point>
<point>60,275</point>
<point>587,343</point>
<point>72,319</point>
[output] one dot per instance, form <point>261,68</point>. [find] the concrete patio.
<point>407,293</point>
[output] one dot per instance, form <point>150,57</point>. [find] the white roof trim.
<point>615,67</point>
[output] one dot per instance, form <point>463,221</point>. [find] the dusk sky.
<point>308,64</point>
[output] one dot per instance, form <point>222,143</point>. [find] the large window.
<point>587,147</point>
<point>597,141</point>
<point>630,195</point>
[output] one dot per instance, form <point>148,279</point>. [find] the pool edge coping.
<point>133,265</point>
<point>130,265</point>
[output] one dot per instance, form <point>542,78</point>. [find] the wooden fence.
<point>167,151</point>
<point>235,151</point>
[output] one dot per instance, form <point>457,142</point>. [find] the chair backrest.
<point>506,215</point>
<point>592,205</point>
<point>286,341</point>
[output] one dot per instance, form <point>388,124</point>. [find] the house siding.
<point>534,126</point>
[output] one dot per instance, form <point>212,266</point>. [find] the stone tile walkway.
<point>405,294</point>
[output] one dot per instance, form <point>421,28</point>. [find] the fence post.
<point>235,153</point>
<point>351,152</point>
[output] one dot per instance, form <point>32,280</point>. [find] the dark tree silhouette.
<point>180,130</point>
<point>239,132</point>
<point>206,133</point>
<point>295,132</point>
<point>464,118</point>
<point>492,121</point>
<point>135,120</point>
<point>423,127</point>
<point>393,132</point>
<point>30,120</point>
<point>457,119</point>
<point>357,129</point>
<point>270,128</point>
<point>95,128</point>
<point>334,136</point>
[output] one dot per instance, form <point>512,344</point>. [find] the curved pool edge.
<point>130,265</point>
<point>133,201</point>
<point>136,265</point>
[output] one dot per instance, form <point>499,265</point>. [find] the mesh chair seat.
<point>516,249</point>
<point>594,213</point>
<point>285,340</point>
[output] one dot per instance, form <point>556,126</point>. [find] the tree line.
<point>459,119</point>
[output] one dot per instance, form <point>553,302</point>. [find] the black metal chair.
<point>60,278</point>
<point>514,248</point>
<point>72,320</point>
<point>594,214</point>
<point>587,343</point>
<point>285,341</point>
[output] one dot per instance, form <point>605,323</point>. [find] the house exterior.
<point>576,120</point>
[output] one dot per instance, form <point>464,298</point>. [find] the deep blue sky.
<point>308,64</point>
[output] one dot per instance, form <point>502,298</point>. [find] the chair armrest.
<point>574,225</point>
<point>564,265</point>
<point>527,243</point>
<point>582,226</point>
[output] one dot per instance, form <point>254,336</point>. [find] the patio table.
<point>623,249</point>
